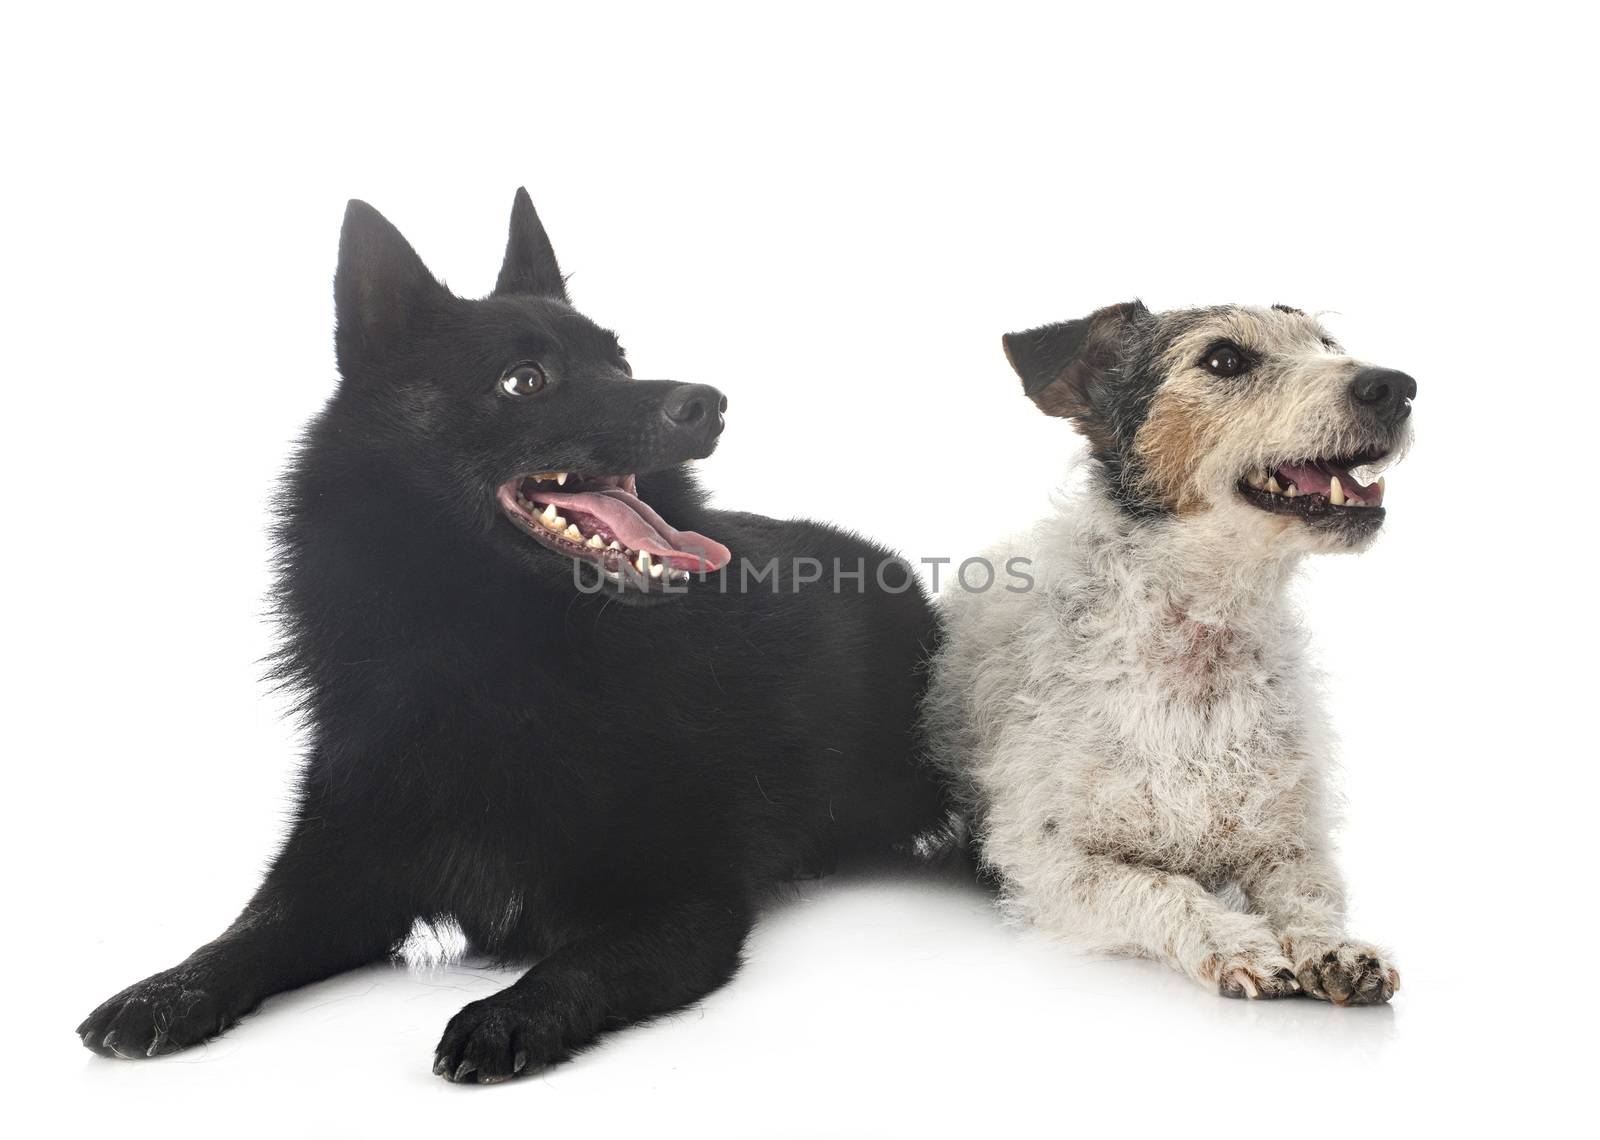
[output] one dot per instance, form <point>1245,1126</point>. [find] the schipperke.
<point>538,708</point>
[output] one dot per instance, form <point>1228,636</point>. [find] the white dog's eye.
<point>1223,360</point>
<point>523,380</point>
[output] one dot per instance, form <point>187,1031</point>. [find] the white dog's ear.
<point>1062,365</point>
<point>530,266</point>
<point>380,287</point>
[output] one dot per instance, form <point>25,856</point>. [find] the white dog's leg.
<point>1303,900</point>
<point>1173,919</point>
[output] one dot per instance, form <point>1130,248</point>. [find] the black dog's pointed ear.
<point>381,284</point>
<point>1061,364</point>
<point>530,264</point>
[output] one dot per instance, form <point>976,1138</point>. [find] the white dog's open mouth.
<point>600,519</point>
<point>1319,488</point>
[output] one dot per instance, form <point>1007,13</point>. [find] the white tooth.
<point>613,545</point>
<point>1272,485</point>
<point>549,512</point>
<point>642,563</point>
<point>1256,480</point>
<point>594,541</point>
<point>1336,492</point>
<point>1380,488</point>
<point>657,569</point>
<point>573,533</point>
<point>557,523</point>
<point>561,478</point>
<point>1291,491</point>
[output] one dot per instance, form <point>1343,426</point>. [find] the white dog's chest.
<point>1189,758</point>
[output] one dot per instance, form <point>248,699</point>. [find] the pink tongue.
<point>638,527</point>
<point>1316,479</point>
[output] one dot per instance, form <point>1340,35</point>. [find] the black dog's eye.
<point>523,380</point>
<point>1223,360</point>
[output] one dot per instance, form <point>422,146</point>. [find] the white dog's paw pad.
<point>1347,974</point>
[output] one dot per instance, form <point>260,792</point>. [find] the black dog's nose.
<point>696,408</point>
<point>1385,393</point>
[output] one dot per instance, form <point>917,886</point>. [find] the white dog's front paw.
<point>1251,973</point>
<point>1345,973</point>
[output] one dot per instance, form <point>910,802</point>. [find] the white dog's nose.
<point>1384,394</point>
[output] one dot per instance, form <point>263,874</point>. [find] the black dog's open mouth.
<point>600,519</point>
<point>1318,489</point>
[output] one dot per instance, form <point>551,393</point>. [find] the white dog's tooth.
<point>573,533</point>
<point>595,542</point>
<point>642,563</point>
<point>549,512</point>
<point>1380,488</point>
<point>657,569</point>
<point>1256,480</point>
<point>561,478</point>
<point>1291,491</point>
<point>1336,492</point>
<point>1272,485</point>
<point>613,545</point>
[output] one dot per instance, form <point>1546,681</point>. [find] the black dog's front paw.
<point>159,1015</point>
<point>500,1037</point>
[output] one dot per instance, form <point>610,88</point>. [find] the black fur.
<point>603,782</point>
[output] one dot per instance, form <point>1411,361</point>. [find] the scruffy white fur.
<point>1140,734</point>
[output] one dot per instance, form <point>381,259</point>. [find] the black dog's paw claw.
<point>159,1015</point>
<point>499,1038</point>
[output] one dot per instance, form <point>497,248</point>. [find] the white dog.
<point>1140,731</point>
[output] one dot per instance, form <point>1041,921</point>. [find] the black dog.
<point>601,780</point>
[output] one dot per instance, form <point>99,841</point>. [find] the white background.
<point>832,216</point>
